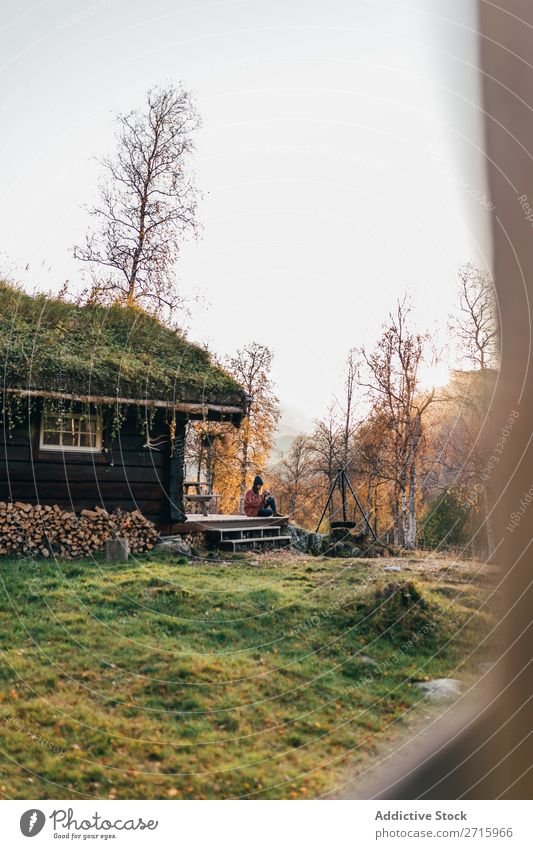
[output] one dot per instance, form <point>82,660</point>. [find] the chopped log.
<point>117,549</point>
<point>47,529</point>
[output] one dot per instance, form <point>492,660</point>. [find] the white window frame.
<point>73,449</point>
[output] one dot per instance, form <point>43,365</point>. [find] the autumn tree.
<point>306,472</point>
<point>375,468</point>
<point>391,377</point>
<point>293,477</point>
<point>325,452</point>
<point>226,457</point>
<point>147,202</point>
<point>220,463</point>
<point>458,447</point>
<point>205,441</point>
<point>251,367</point>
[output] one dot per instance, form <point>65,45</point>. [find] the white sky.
<point>339,157</point>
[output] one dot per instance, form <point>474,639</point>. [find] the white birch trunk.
<point>396,521</point>
<point>410,541</point>
<point>405,515</point>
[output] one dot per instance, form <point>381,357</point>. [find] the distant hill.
<point>293,421</point>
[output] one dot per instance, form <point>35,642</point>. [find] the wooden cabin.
<point>94,406</point>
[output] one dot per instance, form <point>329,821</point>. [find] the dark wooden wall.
<point>126,475</point>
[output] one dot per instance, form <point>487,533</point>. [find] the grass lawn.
<point>272,676</point>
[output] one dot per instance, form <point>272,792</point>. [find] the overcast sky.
<point>339,159</point>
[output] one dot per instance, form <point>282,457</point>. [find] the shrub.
<point>445,523</point>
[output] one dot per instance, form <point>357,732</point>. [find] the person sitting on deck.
<point>257,503</point>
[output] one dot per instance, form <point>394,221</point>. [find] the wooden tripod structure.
<point>342,482</point>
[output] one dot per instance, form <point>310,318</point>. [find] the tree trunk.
<point>209,466</point>
<point>331,478</point>
<point>396,519</point>
<point>404,515</point>
<point>244,470</point>
<point>410,541</point>
<point>199,461</point>
<point>373,505</point>
<point>490,534</point>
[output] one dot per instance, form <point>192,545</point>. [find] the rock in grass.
<point>364,658</point>
<point>440,688</point>
<point>340,543</point>
<point>305,541</point>
<point>315,543</point>
<point>173,545</point>
<point>298,537</point>
<point>392,569</point>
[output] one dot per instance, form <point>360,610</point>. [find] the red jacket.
<point>252,503</point>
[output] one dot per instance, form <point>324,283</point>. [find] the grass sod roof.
<point>52,345</point>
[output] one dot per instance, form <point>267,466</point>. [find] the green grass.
<point>268,677</point>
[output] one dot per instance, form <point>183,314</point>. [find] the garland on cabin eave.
<point>16,410</point>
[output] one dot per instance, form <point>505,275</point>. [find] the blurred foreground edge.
<point>485,750</point>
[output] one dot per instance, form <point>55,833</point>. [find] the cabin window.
<point>70,432</point>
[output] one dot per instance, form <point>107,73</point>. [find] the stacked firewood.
<point>36,529</point>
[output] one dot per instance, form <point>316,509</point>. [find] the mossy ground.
<point>265,677</point>
<point>49,343</point>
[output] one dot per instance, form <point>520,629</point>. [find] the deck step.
<point>259,532</point>
<point>197,523</point>
<point>253,542</point>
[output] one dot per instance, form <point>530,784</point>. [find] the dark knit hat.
<point>258,480</point>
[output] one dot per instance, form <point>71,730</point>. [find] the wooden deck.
<point>219,521</point>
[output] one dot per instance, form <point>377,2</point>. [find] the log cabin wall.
<point>125,474</point>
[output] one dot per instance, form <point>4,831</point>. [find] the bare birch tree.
<point>476,325</point>
<point>294,476</point>
<point>325,452</point>
<point>476,329</point>
<point>147,202</point>
<point>347,406</point>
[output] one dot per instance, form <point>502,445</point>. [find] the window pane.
<point>87,440</point>
<point>87,425</point>
<point>53,423</point>
<point>51,437</point>
<point>70,431</point>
